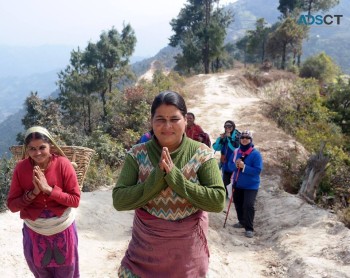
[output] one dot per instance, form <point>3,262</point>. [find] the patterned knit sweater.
<point>194,182</point>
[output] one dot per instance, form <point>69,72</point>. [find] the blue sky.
<point>76,22</point>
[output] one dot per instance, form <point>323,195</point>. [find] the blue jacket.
<point>226,146</point>
<point>250,177</point>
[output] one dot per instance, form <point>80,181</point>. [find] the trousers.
<point>244,200</point>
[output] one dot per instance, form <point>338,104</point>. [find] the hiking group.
<point>170,178</point>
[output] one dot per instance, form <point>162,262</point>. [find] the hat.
<point>247,133</point>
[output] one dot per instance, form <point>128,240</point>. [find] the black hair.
<point>36,135</point>
<point>232,123</point>
<point>169,98</point>
<point>190,113</point>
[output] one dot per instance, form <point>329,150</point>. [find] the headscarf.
<point>43,131</point>
<point>247,133</point>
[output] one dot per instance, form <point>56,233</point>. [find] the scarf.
<point>43,131</point>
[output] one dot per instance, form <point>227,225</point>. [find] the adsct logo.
<point>327,19</point>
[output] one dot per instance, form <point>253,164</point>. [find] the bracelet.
<point>26,197</point>
<point>32,192</point>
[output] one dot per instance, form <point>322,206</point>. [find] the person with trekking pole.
<point>226,143</point>
<point>246,163</point>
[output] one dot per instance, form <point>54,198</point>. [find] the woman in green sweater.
<point>171,182</point>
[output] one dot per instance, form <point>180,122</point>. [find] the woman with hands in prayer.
<point>171,182</point>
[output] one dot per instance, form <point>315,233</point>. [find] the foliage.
<point>42,112</point>
<point>88,84</point>
<point>99,175</point>
<point>320,67</point>
<point>338,101</point>
<point>257,39</point>
<point>316,5</point>
<point>200,31</point>
<point>292,171</point>
<point>286,39</point>
<point>6,168</point>
<point>301,111</point>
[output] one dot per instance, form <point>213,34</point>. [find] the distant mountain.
<point>334,40</point>
<point>18,65</point>
<point>9,130</point>
<point>19,61</point>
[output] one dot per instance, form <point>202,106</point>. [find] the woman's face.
<point>190,120</point>
<point>228,128</point>
<point>169,126</point>
<point>39,151</point>
<point>245,140</point>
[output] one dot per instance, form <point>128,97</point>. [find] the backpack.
<point>205,138</point>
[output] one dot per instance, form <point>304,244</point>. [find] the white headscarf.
<point>43,131</point>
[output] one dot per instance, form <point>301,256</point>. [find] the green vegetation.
<point>320,67</point>
<point>200,31</point>
<point>314,120</point>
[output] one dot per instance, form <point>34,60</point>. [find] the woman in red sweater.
<point>45,190</point>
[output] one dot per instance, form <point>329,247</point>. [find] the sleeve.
<point>231,164</point>
<point>255,165</point>
<point>128,194</point>
<point>208,195</point>
<point>217,146</point>
<point>69,193</point>
<point>16,200</point>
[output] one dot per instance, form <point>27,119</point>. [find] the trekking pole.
<point>229,205</point>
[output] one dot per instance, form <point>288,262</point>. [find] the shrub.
<point>6,168</point>
<point>320,67</point>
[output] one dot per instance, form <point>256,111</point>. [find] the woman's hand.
<point>40,182</point>
<point>166,163</point>
<point>239,163</point>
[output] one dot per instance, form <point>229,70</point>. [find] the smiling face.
<point>245,140</point>
<point>169,125</point>
<point>190,120</point>
<point>39,151</point>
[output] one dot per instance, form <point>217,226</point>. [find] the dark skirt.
<point>162,248</point>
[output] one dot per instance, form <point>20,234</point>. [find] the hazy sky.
<point>76,22</point>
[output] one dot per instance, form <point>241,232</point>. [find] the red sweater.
<point>194,131</point>
<point>60,175</point>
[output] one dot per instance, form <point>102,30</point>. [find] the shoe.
<point>249,234</point>
<point>238,225</point>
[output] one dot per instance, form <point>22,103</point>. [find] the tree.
<point>257,39</point>
<point>93,76</point>
<point>320,67</point>
<point>287,38</point>
<point>317,5</point>
<point>200,31</point>
<point>286,7</point>
<point>76,97</point>
<point>108,60</point>
<point>42,112</point>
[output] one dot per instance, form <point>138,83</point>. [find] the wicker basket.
<point>81,156</point>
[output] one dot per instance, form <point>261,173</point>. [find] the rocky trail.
<point>292,238</point>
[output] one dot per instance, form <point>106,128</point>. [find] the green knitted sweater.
<point>205,192</point>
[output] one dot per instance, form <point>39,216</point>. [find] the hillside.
<point>293,239</point>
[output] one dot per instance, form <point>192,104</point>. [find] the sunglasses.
<point>245,137</point>
<point>228,126</point>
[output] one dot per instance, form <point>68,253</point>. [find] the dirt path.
<point>293,239</point>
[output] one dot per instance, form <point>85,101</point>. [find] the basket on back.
<point>81,156</point>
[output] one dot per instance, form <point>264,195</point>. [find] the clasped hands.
<point>166,163</point>
<point>40,182</point>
